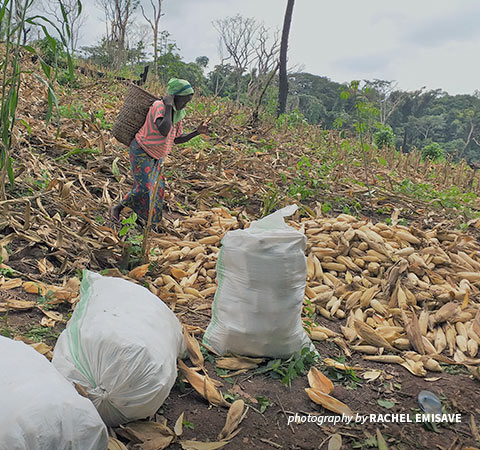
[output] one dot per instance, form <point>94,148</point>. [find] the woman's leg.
<point>142,166</point>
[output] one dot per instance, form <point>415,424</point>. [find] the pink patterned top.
<point>150,139</point>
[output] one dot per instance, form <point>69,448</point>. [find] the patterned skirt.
<point>145,170</point>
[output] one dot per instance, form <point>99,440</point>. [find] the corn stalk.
<point>11,71</point>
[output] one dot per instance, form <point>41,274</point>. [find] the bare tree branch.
<point>154,25</point>
<point>249,47</point>
<point>118,18</point>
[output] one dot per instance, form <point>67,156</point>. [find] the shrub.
<point>384,137</point>
<point>432,151</point>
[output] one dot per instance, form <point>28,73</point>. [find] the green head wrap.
<point>177,86</point>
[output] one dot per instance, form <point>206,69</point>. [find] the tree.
<point>118,18</point>
<point>104,54</point>
<point>428,125</point>
<point>222,81</point>
<point>170,65</point>
<point>283,81</point>
<point>154,24</point>
<point>236,36</point>
<point>202,61</point>
<point>252,52</point>
<point>75,19</point>
<point>388,97</point>
<point>266,50</point>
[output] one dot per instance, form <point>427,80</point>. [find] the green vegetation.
<point>132,240</point>
<point>41,334</point>
<point>384,137</point>
<point>263,403</point>
<point>76,111</point>
<point>14,19</point>
<point>188,424</point>
<point>289,369</point>
<point>432,151</point>
<point>44,301</point>
<point>347,377</point>
<point>416,119</point>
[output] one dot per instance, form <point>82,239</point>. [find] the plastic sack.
<point>40,409</point>
<point>121,345</point>
<point>261,284</point>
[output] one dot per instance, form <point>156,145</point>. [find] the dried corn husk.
<point>317,380</point>
<point>328,402</point>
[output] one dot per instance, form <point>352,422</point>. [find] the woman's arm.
<point>185,137</point>
<point>164,124</point>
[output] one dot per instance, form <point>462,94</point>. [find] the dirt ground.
<point>459,393</point>
<point>56,217</point>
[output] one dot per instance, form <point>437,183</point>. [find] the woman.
<point>153,142</point>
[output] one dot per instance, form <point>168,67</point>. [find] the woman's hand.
<point>202,128</point>
<point>168,100</point>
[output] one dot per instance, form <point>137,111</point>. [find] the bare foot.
<point>115,213</point>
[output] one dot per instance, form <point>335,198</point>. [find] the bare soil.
<point>459,393</point>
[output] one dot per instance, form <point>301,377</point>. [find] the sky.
<point>417,43</point>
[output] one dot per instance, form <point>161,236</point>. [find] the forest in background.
<point>436,123</point>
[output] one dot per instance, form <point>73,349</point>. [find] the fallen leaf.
<point>335,442</point>
<point>53,315</point>
<point>203,385</point>
<point>44,266</point>
<point>234,417</point>
<point>238,362</point>
<point>193,348</point>
<point>381,443</point>
<point>414,367</point>
<point>371,375</point>
<point>35,288</point>
<point>46,322</point>
<point>233,374</point>
<point>12,283</point>
<point>72,285</point>
<point>386,403</point>
<point>474,428</point>
<point>238,390</point>
<point>317,380</point>
<point>64,294</point>
<point>138,272</point>
<point>328,402</point>
<point>197,445</point>
<point>338,365</point>
<point>178,428</point>
<point>18,304</point>
<point>152,435</point>
<point>43,349</point>
<point>115,444</point>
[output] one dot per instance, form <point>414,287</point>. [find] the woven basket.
<point>132,115</point>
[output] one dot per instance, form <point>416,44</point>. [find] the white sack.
<point>121,345</point>
<point>39,408</point>
<point>261,284</point>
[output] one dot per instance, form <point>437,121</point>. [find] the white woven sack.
<point>121,345</point>
<point>40,409</point>
<point>261,284</point>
